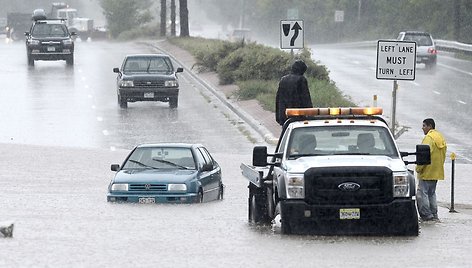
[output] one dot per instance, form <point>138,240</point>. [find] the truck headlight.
<point>401,186</point>
<point>119,187</point>
<point>295,185</point>
<point>126,83</point>
<point>34,42</point>
<point>177,187</point>
<point>171,83</point>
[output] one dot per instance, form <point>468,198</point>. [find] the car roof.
<point>147,55</point>
<point>170,144</point>
<point>50,21</point>
<point>416,32</point>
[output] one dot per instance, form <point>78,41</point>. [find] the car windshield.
<point>160,158</point>
<point>148,65</point>
<point>341,140</point>
<point>49,30</point>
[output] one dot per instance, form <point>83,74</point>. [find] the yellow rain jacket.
<point>438,147</point>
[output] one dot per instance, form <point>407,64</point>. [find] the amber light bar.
<point>293,112</point>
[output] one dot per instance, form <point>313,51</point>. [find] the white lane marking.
<point>455,69</point>
<point>356,62</point>
<point>436,92</point>
<point>105,132</point>
<point>112,148</point>
<point>99,118</point>
<point>461,102</point>
<point>416,84</point>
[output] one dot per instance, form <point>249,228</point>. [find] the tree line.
<point>356,19</point>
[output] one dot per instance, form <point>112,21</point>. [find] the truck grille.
<point>147,187</point>
<point>373,185</point>
<point>146,84</point>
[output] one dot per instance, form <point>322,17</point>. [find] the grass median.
<point>257,69</point>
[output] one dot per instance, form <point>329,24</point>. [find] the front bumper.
<point>153,198</point>
<point>132,94</point>
<point>396,218</point>
<point>41,53</point>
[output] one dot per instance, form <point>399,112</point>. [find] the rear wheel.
<point>200,196</point>
<point>257,212</point>
<point>220,191</point>
<point>173,102</point>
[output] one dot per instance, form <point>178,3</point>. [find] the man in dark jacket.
<point>293,92</point>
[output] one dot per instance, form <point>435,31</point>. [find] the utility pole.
<point>163,17</point>
<point>241,15</point>
<point>172,17</point>
<point>457,20</point>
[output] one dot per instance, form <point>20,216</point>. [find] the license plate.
<point>349,213</point>
<point>149,95</point>
<point>146,200</point>
<point>51,49</point>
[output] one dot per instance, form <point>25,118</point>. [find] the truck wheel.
<point>255,213</point>
<point>173,102</point>
<point>285,226</point>
<point>123,103</point>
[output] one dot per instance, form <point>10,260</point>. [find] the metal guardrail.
<point>453,46</point>
<point>444,45</point>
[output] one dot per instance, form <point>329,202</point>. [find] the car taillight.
<point>432,51</point>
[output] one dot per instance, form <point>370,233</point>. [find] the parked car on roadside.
<point>166,173</point>
<point>147,77</point>
<point>425,48</point>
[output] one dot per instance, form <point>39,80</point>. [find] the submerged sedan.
<point>167,173</point>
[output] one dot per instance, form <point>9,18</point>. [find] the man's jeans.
<point>426,199</point>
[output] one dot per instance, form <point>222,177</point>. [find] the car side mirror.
<point>116,70</point>
<point>207,167</point>
<point>115,167</point>
<point>179,70</point>
<point>27,34</point>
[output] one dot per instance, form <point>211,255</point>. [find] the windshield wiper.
<point>141,164</point>
<point>169,163</point>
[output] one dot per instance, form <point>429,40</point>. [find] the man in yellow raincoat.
<point>428,175</point>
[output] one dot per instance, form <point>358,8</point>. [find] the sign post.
<point>396,60</point>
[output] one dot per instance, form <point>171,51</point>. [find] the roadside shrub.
<point>144,32</point>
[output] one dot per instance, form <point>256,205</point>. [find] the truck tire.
<point>285,226</point>
<point>256,207</point>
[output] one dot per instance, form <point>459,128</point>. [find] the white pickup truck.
<point>335,171</point>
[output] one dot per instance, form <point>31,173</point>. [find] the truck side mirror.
<point>259,156</point>
<point>180,70</point>
<point>423,154</point>
<point>116,70</point>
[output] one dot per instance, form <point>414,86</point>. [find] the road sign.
<point>396,60</point>
<point>291,34</point>
<point>338,15</point>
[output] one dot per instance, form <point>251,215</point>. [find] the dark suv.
<point>147,77</point>
<point>49,40</point>
<point>425,49</point>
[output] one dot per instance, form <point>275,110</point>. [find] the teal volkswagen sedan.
<point>166,173</point>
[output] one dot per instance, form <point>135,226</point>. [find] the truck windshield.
<point>341,140</point>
